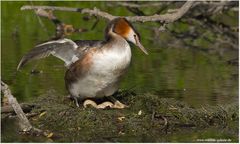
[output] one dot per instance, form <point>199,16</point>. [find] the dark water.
<point>187,74</point>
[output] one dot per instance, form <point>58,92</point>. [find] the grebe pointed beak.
<point>138,44</point>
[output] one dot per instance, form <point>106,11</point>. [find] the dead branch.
<point>9,109</point>
<point>134,5</point>
<point>24,123</point>
<point>167,18</point>
<point>95,11</point>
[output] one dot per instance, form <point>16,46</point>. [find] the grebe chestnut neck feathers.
<point>94,67</point>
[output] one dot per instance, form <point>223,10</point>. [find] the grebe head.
<point>125,29</point>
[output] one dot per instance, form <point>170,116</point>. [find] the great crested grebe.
<point>94,67</point>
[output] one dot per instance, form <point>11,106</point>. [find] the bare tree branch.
<point>24,123</point>
<point>167,18</point>
<point>53,8</point>
<point>133,5</point>
<point>9,109</point>
<point>97,12</point>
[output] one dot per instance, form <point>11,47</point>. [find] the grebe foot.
<point>73,99</point>
<point>76,101</point>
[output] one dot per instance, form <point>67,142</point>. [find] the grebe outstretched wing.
<point>65,49</point>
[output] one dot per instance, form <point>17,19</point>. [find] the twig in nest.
<point>165,120</point>
<point>153,115</point>
<point>165,126</point>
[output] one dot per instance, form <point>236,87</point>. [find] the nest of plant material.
<point>148,118</point>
